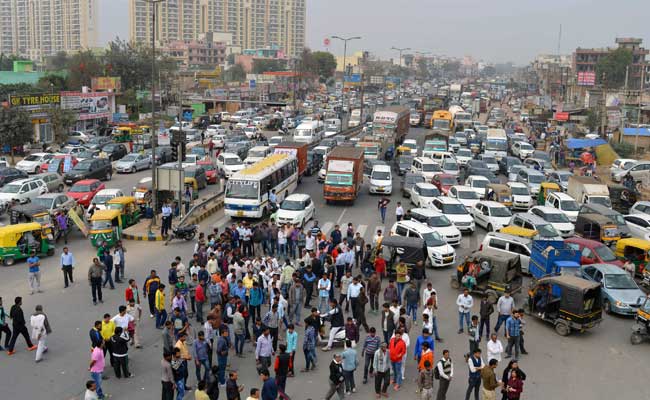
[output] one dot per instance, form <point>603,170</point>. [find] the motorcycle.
<point>183,232</point>
<point>323,337</point>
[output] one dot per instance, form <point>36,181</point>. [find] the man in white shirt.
<point>475,364</point>
<point>426,293</point>
<point>464,303</point>
<point>494,348</point>
<point>399,211</point>
<point>505,307</point>
<point>310,242</point>
<point>212,265</point>
<point>122,319</point>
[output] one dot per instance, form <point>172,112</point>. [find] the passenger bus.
<point>442,121</point>
<point>247,191</point>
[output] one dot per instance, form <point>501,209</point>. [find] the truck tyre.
<point>636,338</point>
<point>8,261</point>
<point>562,329</point>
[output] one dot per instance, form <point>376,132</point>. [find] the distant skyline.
<point>507,30</point>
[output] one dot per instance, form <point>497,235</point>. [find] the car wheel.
<point>134,170</point>
<point>562,329</point>
<point>490,228</point>
<point>109,176</point>
<point>8,261</point>
<point>60,188</point>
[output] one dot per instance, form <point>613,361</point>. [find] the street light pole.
<point>154,135</point>
<point>345,54</point>
<point>399,93</point>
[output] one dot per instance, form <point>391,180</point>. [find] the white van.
<point>309,132</point>
<point>564,203</point>
<point>440,253</point>
<point>332,126</point>
<point>242,114</point>
<point>257,153</point>
<point>381,179</point>
<point>509,244</point>
<point>425,166</point>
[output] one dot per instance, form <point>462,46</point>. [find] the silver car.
<point>133,162</point>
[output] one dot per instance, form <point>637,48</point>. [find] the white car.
<point>275,140</point>
<point>465,194</point>
<point>257,153</point>
<point>219,141</point>
<point>491,215</point>
<point>229,163</point>
<point>32,162</point>
<point>260,121</point>
<point>456,212</point>
<point>491,162</point>
<point>422,194</point>
<point>621,164</point>
<point>521,198</point>
<point>103,196</point>
<point>243,123</point>
<point>440,253</point>
<point>381,180</point>
<point>478,183</point>
<point>522,149</point>
<point>439,222</point>
<point>564,203</point>
<point>556,218</point>
<point>296,209</point>
<point>252,131</point>
<point>639,225</point>
<point>213,130</point>
<point>22,191</point>
<point>463,156</point>
<point>79,136</point>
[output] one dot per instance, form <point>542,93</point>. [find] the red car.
<point>59,160</point>
<point>210,171</point>
<point>84,190</point>
<point>444,182</point>
<point>593,252</point>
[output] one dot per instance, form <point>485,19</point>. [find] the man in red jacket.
<point>397,350</point>
<point>199,298</point>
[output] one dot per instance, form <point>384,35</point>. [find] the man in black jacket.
<point>120,349</point>
<point>336,378</point>
<point>18,323</point>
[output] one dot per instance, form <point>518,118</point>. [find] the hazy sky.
<point>497,30</point>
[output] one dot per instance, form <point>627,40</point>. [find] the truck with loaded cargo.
<point>588,190</point>
<point>392,124</point>
<point>296,149</point>
<point>344,174</point>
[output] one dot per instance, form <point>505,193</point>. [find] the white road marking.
<point>362,230</point>
<point>338,221</point>
<point>327,226</point>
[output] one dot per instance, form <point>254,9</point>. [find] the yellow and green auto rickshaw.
<point>122,134</point>
<point>105,228</point>
<point>130,212</point>
<point>19,240</point>
<point>635,250</point>
<point>530,234</point>
<point>544,189</point>
<point>500,193</point>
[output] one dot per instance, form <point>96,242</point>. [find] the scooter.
<point>323,337</point>
<point>183,232</point>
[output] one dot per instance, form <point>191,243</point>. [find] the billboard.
<point>113,83</point>
<point>353,80</point>
<point>30,100</point>
<point>86,103</point>
<point>586,78</point>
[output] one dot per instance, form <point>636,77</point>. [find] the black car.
<point>115,151</point>
<point>11,174</point>
<point>404,163</point>
<point>99,168</point>
<point>97,142</point>
<point>506,162</point>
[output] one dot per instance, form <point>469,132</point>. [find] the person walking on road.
<point>425,381</point>
<point>381,365</point>
<point>120,350</point>
<point>19,328</point>
<point>465,302</point>
<point>95,274</point>
<point>397,350</point>
<point>486,310</point>
<point>159,306</point>
<point>40,329</point>
<point>135,311</point>
<point>34,264</point>
<point>474,337</point>
<point>96,368</point>
<point>119,261</point>
<point>399,211</point>
<point>513,334</point>
<point>67,265</point>
<point>150,288</point>
<point>108,263</point>
<point>505,308</point>
<point>336,378</point>
<point>475,364</point>
<point>63,224</point>
<point>167,378</point>
<point>446,371</point>
<point>4,327</point>
<point>166,219</point>
<point>349,364</point>
<point>382,205</point>
<point>494,348</point>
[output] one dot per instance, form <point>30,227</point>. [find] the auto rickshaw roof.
<point>493,256</point>
<point>598,218</point>
<point>122,200</point>
<point>499,187</point>
<point>401,241</point>
<point>30,209</point>
<point>551,185</point>
<point>569,281</point>
<point>518,231</point>
<point>633,242</point>
<point>101,215</point>
<point>19,228</point>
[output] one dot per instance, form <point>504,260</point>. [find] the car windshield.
<point>431,167</point>
<point>534,178</point>
<point>546,231</point>
<point>520,191</point>
<point>489,160</point>
<point>338,180</point>
<point>448,180</point>
<point>433,239</point>
<point>415,179</point>
<point>130,157</point>
<point>604,201</point>
<point>242,189</point>
<point>605,253</point>
<point>439,221</point>
<point>380,175</point>
<point>454,209</point>
<point>232,161</point>
<point>500,212</point>
<point>32,157</point>
<point>478,164</point>
<point>556,217</point>
<point>619,281</point>
<point>82,166</point>
<point>563,177</point>
<point>429,192</point>
<point>43,202</point>
<point>450,166</point>
<point>11,188</point>
<point>569,205</point>
<point>542,156</point>
<point>464,153</point>
<point>468,195</point>
<point>480,183</point>
<point>257,153</point>
<point>80,188</point>
<point>86,154</point>
<point>292,205</point>
<point>101,225</point>
<point>525,146</point>
<point>102,199</point>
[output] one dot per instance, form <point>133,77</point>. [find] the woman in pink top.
<point>96,367</point>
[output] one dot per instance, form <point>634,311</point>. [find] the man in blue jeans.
<point>222,355</point>
<point>513,334</point>
<point>505,307</point>
<point>201,359</point>
<point>382,205</point>
<point>464,303</point>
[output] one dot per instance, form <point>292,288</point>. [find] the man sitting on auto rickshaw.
<point>628,182</point>
<point>541,300</point>
<point>466,274</point>
<point>491,196</point>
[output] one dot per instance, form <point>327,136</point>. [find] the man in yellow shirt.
<point>108,329</point>
<point>200,393</point>
<point>402,279</point>
<point>248,282</point>
<point>161,312</point>
<point>185,353</point>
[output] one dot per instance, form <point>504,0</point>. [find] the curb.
<point>154,237</point>
<point>206,214</point>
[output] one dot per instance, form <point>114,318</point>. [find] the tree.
<point>82,67</point>
<point>236,73</point>
<point>7,61</point>
<point>16,88</point>
<point>15,128</point>
<point>61,121</point>
<point>593,119</point>
<point>58,61</point>
<point>52,83</point>
<point>613,66</point>
<point>262,65</point>
<point>325,64</point>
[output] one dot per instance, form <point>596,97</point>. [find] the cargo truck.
<point>391,123</point>
<point>296,149</point>
<point>355,118</point>
<point>588,190</point>
<point>344,174</point>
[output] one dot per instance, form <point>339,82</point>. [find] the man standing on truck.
<point>382,205</point>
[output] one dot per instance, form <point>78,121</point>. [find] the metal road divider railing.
<point>204,206</point>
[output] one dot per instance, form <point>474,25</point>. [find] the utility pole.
<point>399,92</point>
<point>181,139</point>
<point>624,113</point>
<point>361,114</point>
<point>638,114</point>
<point>345,66</point>
<point>603,118</point>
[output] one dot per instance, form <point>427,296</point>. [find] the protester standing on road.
<point>487,308</point>
<point>505,307</point>
<point>67,264</point>
<point>374,289</point>
<point>119,261</point>
<point>494,348</point>
<point>464,303</point>
<point>159,306</point>
<point>475,364</point>
<point>95,274</point>
<point>19,328</point>
<point>150,288</point>
<point>34,264</point>
<point>425,382</point>
<point>108,263</point>
<point>120,350</point>
<point>446,371</point>
<point>473,333</point>
<point>397,350</point>
<point>166,219</point>
<point>513,365</point>
<point>336,378</point>
<point>40,330</point>
<point>399,211</point>
<point>96,368</point>
<point>3,326</point>
<point>490,383</point>
<point>382,205</point>
<point>349,365</point>
<point>513,334</point>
